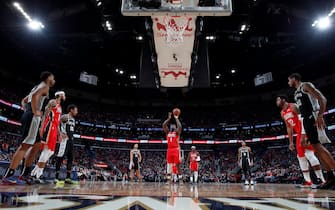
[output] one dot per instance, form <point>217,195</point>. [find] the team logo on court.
<point>47,201</point>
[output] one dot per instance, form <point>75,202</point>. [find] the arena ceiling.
<point>279,39</point>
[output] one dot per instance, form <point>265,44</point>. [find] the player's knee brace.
<point>303,162</point>
<point>45,155</point>
<point>312,158</point>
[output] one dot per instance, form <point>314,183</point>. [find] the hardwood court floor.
<point>110,195</point>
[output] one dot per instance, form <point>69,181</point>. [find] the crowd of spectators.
<point>216,123</point>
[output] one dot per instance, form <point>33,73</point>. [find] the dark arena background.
<point>126,65</point>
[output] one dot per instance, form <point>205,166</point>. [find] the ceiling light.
<point>243,27</point>
<point>18,7</point>
<point>117,70</point>
<point>99,3</point>
<point>35,25</point>
<point>108,25</point>
<point>133,76</point>
<point>32,24</point>
<point>210,37</point>
<point>323,23</point>
<point>331,12</point>
<point>121,72</point>
<point>233,71</point>
<point>16,4</point>
<point>139,37</point>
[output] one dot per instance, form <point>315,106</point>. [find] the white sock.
<point>196,177</point>
<point>304,166</point>
<point>37,172</point>
<point>169,168</point>
<point>307,176</point>
<point>319,174</point>
<point>175,178</point>
<point>191,178</point>
<point>34,171</point>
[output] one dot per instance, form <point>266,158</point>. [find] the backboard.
<point>187,7</point>
<point>174,26</point>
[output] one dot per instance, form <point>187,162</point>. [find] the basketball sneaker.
<point>9,180</point>
<point>317,184</point>
<point>22,180</point>
<point>246,182</point>
<point>252,182</point>
<point>306,185</point>
<point>329,184</point>
<point>59,182</point>
<point>68,181</point>
<point>40,180</point>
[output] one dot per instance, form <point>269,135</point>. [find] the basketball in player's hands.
<point>176,112</point>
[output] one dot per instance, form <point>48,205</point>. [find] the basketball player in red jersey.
<point>173,151</point>
<point>305,153</point>
<point>49,133</point>
<point>194,158</point>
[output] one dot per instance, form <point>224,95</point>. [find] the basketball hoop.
<point>175,2</point>
<point>175,27</point>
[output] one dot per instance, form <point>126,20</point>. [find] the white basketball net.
<point>175,27</point>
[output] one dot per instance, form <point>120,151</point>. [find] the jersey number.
<point>170,139</point>
<point>291,122</point>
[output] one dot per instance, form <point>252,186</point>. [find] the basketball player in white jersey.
<point>312,105</point>
<point>245,162</point>
<point>135,160</point>
<point>30,120</point>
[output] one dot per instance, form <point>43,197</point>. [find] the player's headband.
<point>58,93</point>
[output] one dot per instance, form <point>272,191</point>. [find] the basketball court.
<point>177,59</point>
<point>104,195</point>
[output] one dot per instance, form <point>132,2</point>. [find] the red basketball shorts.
<point>301,149</point>
<point>194,166</point>
<point>49,138</point>
<point>173,156</point>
